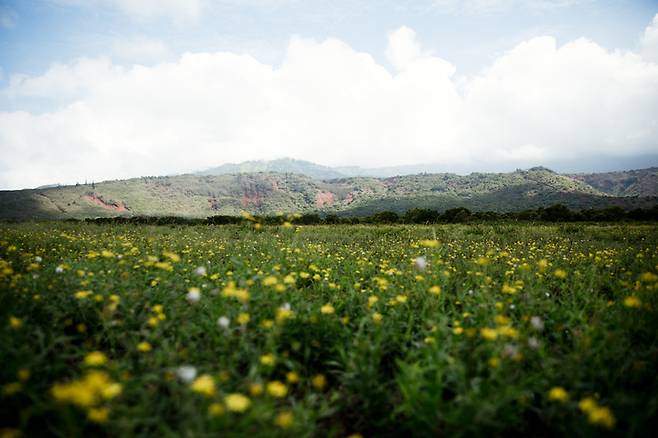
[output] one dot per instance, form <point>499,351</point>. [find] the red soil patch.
<point>324,198</point>
<point>93,199</point>
<point>251,199</point>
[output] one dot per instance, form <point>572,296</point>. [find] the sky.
<point>111,89</point>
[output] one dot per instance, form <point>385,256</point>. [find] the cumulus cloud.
<point>329,103</point>
<point>476,7</point>
<point>142,49</point>
<point>649,41</point>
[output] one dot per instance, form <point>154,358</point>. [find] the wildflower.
<point>377,317</point>
<point>204,385</point>
<point>23,375</point>
<point>533,343</point>
<point>144,347</point>
<point>537,323</point>
<point>270,280</point>
<point>401,299</point>
<point>223,322</point>
<point>98,415</point>
<point>292,377</point>
<point>193,295</point>
<point>200,271</point>
<point>587,404</point>
<point>457,330</point>
<point>277,389</point>
<point>237,402</point>
<point>494,362</point>
<point>429,243</point>
<point>319,381</point>
<point>429,340</point>
<point>557,393</point>
<point>15,323</point>
<point>59,269</point>
<point>327,309</point>
<point>95,358</point>
<point>255,389</point>
<point>372,299</point>
<point>632,302</point>
<point>11,388</point>
<point>267,359</point>
<point>488,333</point>
<point>284,419</point>
<point>216,409</point>
<point>420,263</point>
<point>560,273</point>
<point>507,289</point>
<point>81,295</point>
<point>186,373</point>
<point>435,290</point>
<point>243,318</point>
<point>601,416</point>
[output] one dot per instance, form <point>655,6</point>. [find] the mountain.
<point>282,165</point>
<point>643,182</point>
<point>271,192</point>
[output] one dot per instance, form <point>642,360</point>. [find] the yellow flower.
<point>15,323</point>
<point>255,389</point>
<point>95,358</point>
<point>267,359</point>
<point>144,347</point>
<point>377,317</point>
<point>216,409</point>
<point>560,273</point>
<point>243,318</point>
<point>277,389</point>
<point>587,404</point>
<point>488,333</point>
<point>648,277</point>
<point>98,415</point>
<point>270,280</point>
<point>429,243</point>
<point>292,377</point>
<point>204,384</point>
<point>557,393</point>
<point>632,302</point>
<point>457,330</point>
<point>23,375</point>
<point>82,294</point>
<point>401,299</point>
<point>601,416</point>
<point>284,420</point>
<point>11,388</point>
<point>319,381</point>
<point>435,290</point>
<point>327,309</point>
<point>237,402</point>
<point>507,289</point>
<point>494,362</point>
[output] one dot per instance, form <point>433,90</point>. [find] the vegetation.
<point>198,196</point>
<point>263,330</point>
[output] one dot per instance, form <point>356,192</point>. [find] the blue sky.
<point>322,80</point>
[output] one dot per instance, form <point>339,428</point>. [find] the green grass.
<point>579,314</point>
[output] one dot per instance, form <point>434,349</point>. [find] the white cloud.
<point>178,11</point>
<point>649,41</point>
<point>331,104</point>
<point>140,49</point>
<point>476,7</point>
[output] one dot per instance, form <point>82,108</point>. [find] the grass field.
<point>456,330</point>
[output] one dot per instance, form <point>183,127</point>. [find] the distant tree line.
<point>555,213</point>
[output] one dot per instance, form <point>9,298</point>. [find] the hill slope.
<point>643,182</point>
<point>267,193</point>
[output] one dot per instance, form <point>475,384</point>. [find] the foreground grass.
<point>331,331</point>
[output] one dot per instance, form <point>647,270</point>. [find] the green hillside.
<point>267,192</point>
<point>643,182</point>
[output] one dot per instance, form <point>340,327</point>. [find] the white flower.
<point>510,350</point>
<point>193,295</point>
<point>537,323</point>
<point>286,306</point>
<point>223,322</point>
<point>59,269</point>
<point>420,263</point>
<point>38,259</point>
<point>533,343</point>
<point>186,373</point>
<point>201,270</point>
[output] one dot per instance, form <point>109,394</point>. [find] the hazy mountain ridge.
<point>197,195</point>
<point>640,182</point>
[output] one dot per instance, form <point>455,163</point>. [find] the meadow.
<point>347,330</point>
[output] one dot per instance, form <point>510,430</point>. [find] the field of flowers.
<point>456,330</point>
